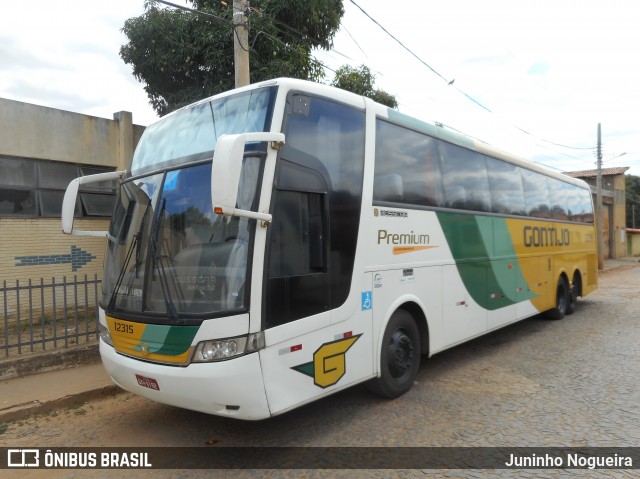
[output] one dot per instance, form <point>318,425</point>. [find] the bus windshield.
<point>169,254</point>
<point>195,130</point>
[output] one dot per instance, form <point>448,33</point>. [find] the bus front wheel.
<point>562,300</point>
<point>399,356</point>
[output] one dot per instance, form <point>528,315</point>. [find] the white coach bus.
<point>280,242</point>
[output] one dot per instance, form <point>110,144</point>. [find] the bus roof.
<point>431,129</point>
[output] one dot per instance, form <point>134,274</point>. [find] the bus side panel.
<point>532,285</point>
<point>505,271</point>
<point>394,287</point>
<point>546,250</point>
<point>462,318</point>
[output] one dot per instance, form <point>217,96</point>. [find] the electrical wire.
<point>312,60</point>
<point>466,95</point>
<point>302,35</point>
<point>401,44</point>
<point>187,9</point>
<point>260,32</point>
<point>292,30</point>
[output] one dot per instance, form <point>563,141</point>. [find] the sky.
<point>527,76</point>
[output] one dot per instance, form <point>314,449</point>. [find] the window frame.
<point>533,207</point>
<point>46,196</point>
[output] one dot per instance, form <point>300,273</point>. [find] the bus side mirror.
<point>69,202</point>
<point>226,169</point>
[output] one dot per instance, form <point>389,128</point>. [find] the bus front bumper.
<point>232,388</point>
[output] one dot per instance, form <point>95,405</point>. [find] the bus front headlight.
<point>221,349</point>
<point>104,334</point>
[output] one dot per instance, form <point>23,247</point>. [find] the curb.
<point>50,361</point>
<point>22,411</point>
<point>614,264</point>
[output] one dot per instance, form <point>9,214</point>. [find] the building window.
<point>31,188</point>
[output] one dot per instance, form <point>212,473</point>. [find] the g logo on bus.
<point>329,363</point>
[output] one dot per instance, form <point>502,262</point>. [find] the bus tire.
<point>574,292</point>
<point>572,300</point>
<point>562,300</point>
<point>399,356</point>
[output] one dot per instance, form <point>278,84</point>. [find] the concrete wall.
<point>38,132</point>
<point>633,242</point>
<point>619,238</point>
<point>614,213</point>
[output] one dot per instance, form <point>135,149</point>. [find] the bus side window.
<point>298,281</point>
<point>407,169</point>
<point>317,195</point>
<point>536,194</point>
<point>507,196</point>
<point>558,200</point>
<point>464,177</point>
<point>297,237</point>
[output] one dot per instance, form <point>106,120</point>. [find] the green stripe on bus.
<point>486,260</point>
<point>169,340</point>
<point>178,340</point>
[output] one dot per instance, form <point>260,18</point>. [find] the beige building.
<point>633,242</point>
<point>613,207</point>
<point>41,151</point>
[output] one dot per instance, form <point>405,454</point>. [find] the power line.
<point>354,41</point>
<point>291,30</point>
<point>259,12</point>
<point>400,43</point>
<point>199,12</point>
<point>311,59</point>
<point>466,95</point>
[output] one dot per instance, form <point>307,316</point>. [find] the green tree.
<point>632,187</point>
<point>182,56</point>
<point>360,80</point>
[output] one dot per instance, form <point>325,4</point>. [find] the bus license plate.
<point>147,382</point>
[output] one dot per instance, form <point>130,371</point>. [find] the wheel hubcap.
<point>401,354</point>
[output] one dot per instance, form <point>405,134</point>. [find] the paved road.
<point>569,383</point>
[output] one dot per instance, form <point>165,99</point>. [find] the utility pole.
<point>599,202</point>
<point>241,42</point>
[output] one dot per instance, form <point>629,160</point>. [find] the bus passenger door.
<point>305,356</point>
<point>310,254</point>
<point>298,283</point>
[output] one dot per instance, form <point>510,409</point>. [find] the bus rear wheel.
<point>574,292</point>
<point>562,300</point>
<point>399,356</point>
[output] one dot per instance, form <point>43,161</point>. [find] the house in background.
<point>613,207</point>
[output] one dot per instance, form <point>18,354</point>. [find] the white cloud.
<point>66,55</point>
<point>555,69</point>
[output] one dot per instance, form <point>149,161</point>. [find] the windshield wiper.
<point>116,288</point>
<point>172,312</point>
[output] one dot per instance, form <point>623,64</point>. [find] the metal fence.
<point>48,315</point>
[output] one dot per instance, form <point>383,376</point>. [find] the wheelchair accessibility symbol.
<point>366,300</point>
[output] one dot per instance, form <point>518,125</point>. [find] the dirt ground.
<point>526,386</point>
